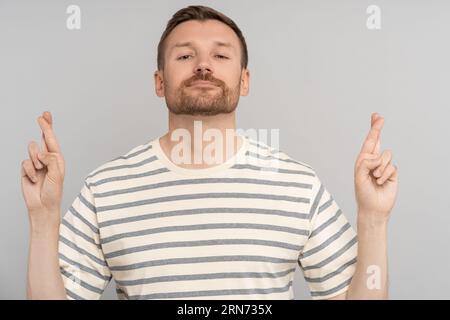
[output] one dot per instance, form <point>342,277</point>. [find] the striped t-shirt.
<point>236,230</point>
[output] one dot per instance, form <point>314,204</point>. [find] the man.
<point>166,227</point>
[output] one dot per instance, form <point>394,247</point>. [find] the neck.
<point>200,137</point>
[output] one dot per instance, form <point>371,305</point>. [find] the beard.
<point>203,101</point>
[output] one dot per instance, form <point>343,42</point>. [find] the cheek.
<point>175,75</point>
<point>236,82</point>
<point>234,77</point>
<point>172,83</point>
<point>231,78</point>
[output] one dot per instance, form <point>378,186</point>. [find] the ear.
<point>245,82</point>
<point>159,83</point>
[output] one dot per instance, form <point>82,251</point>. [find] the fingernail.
<point>34,179</point>
<point>379,181</point>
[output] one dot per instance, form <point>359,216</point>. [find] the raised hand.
<point>43,176</point>
<point>376,178</point>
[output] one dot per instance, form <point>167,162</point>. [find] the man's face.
<point>202,70</point>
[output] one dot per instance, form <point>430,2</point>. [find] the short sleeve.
<point>328,258</point>
<point>83,267</point>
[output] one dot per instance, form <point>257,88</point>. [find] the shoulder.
<point>262,151</point>
<point>283,163</point>
<point>134,157</point>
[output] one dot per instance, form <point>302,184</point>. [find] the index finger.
<point>51,144</point>
<point>374,134</point>
<point>47,116</point>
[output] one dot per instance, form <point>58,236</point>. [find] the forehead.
<point>209,32</point>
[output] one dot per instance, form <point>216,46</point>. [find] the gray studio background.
<point>317,73</point>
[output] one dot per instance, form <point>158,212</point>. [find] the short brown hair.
<point>200,13</point>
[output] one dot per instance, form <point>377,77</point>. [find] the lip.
<point>202,83</point>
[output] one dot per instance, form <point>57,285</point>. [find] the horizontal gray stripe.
<point>162,214</point>
<point>211,293</point>
<point>84,268</point>
<point>327,242</point>
<point>163,262</point>
<point>332,274</point>
<point>76,281</point>
<point>199,243</point>
<point>168,295</point>
<point>134,154</point>
<point>87,203</point>
<point>83,219</point>
<point>257,144</point>
<point>181,197</point>
<point>333,290</point>
<point>325,205</point>
<point>79,233</point>
<point>316,201</point>
<point>336,255</point>
<point>203,181</point>
<point>263,156</point>
<point>81,251</point>
<point>73,295</point>
<point>206,226</point>
<point>204,276</point>
<point>330,221</point>
<point>279,170</point>
<point>129,177</point>
<point>124,166</point>
<point>272,158</point>
<point>263,146</point>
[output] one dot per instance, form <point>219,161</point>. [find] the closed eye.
<point>185,57</point>
<point>221,56</point>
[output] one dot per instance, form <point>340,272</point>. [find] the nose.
<point>203,64</point>
<point>203,70</point>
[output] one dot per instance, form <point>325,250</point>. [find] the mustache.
<point>204,77</point>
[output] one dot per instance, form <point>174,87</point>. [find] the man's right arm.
<point>42,184</point>
<point>44,277</point>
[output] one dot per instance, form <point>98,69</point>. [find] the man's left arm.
<point>371,279</point>
<point>376,182</point>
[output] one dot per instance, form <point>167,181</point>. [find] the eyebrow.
<point>190,44</point>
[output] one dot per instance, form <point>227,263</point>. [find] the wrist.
<point>371,226</point>
<point>373,219</point>
<point>44,224</point>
